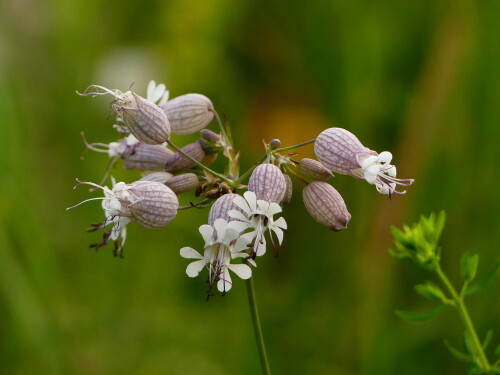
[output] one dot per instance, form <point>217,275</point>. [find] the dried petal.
<point>326,205</point>
<point>313,169</point>
<point>183,183</point>
<point>156,204</point>
<point>178,162</point>
<point>189,113</point>
<point>268,183</point>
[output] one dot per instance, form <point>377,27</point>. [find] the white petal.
<point>224,284</point>
<point>274,208</point>
<point>385,157</point>
<point>242,203</point>
<point>281,223</point>
<point>206,232</point>
<point>239,226</point>
<point>251,199</point>
<point>252,262</point>
<point>159,91</point>
<point>220,226</point>
<point>391,171</point>
<point>242,270</point>
<point>261,247</point>
<point>164,98</point>
<point>190,253</point>
<point>370,160</point>
<point>235,214</point>
<point>243,242</point>
<point>279,234</point>
<point>263,206</point>
<point>231,235</point>
<point>371,173</point>
<point>151,89</point>
<point>193,269</point>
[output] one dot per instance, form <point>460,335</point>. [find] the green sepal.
<point>430,290</point>
<point>420,316</point>
<point>484,282</point>
<point>457,353</point>
<point>468,266</point>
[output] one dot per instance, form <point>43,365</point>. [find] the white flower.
<point>222,244</point>
<point>259,217</point>
<point>157,94</point>
<point>378,171</point>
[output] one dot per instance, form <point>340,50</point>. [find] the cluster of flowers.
<point>238,225</point>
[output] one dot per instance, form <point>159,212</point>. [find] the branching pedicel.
<point>238,226</point>
<point>419,244</point>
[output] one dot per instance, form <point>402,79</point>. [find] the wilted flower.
<point>258,216</point>
<point>313,169</point>
<point>144,119</point>
<point>340,151</point>
<point>268,183</point>
<point>218,252</point>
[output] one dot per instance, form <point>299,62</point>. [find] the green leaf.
<point>430,290</point>
<point>468,266</point>
<point>457,353</point>
<point>420,317</point>
<point>487,339</point>
<point>484,282</point>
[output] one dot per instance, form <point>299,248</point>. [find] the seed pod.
<point>209,135</point>
<point>313,169</point>
<point>288,192</point>
<point>189,113</point>
<point>160,177</point>
<point>221,208</point>
<point>178,162</point>
<point>146,157</point>
<point>183,183</point>
<point>268,183</point>
<point>145,120</point>
<point>341,151</point>
<point>326,205</point>
<point>156,204</point>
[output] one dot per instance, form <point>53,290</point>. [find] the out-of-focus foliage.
<point>417,78</point>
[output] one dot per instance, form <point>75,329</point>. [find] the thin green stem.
<point>250,170</point>
<point>291,171</point>
<point>295,146</point>
<point>264,363</point>
<point>223,178</point>
<point>222,129</point>
<point>466,319</point>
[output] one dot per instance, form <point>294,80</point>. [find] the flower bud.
<point>154,205</point>
<point>220,209</point>
<point>340,151</point>
<point>268,183</point>
<point>160,177</point>
<point>146,157</point>
<point>178,162</point>
<point>189,113</point>
<point>209,159</point>
<point>145,120</point>
<point>313,169</point>
<point>326,205</point>
<point>183,183</point>
<point>288,192</point>
<point>209,135</point>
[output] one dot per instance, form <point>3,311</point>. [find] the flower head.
<point>340,151</point>
<point>259,217</point>
<point>219,250</point>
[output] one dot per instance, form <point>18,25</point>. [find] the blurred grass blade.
<point>457,353</point>
<point>420,316</point>
<point>487,339</point>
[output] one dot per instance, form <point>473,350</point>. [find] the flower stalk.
<point>257,329</point>
<point>295,146</point>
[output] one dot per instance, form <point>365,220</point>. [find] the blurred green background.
<point>418,78</point>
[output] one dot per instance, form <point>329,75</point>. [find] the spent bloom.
<point>223,243</point>
<point>340,151</point>
<point>259,217</point>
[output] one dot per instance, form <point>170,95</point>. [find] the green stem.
<point>291,171</point>
<point>222,129</point>
<point>466,319</point>
<point>264,363</point>
<point>223,178</point>
<point>295,146</point>
<point>249,171</point>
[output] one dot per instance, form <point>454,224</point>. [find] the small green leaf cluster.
<point>420,245</point>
